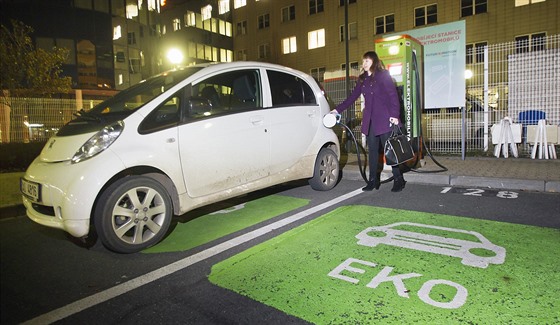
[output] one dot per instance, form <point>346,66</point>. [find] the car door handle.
<point>257,120</point>
<point>311,113</point>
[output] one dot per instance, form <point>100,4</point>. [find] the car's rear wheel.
<point>132,214</point>
<point>326,172</point>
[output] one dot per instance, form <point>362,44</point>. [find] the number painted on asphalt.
<point>480,192</point>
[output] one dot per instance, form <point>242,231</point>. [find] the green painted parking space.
<point>212,226</point>
<point>366,265</point>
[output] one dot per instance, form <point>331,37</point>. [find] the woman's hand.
<point>394,120</point>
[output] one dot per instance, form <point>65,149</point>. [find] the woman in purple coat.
<point>381,109</point>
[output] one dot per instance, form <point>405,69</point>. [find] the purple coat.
<point>381,102</point>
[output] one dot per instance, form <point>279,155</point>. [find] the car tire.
<point>132,214</point>
<point>326,171</point>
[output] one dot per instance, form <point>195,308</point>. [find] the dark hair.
<point>377,64</point>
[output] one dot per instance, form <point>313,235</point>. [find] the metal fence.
<point>35,119</point>
<point>518,80</point>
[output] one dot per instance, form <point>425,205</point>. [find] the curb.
<point>465,181</point>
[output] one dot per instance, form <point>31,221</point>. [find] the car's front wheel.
<point>132,214</point>
<point>326,172</point>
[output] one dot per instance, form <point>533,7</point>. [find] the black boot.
<point>370,186</point>
<point>399,184</point>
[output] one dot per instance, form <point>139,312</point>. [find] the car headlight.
<point>99,142</point>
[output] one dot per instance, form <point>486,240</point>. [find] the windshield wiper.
<point>85,115</point>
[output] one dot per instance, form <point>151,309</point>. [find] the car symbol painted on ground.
<point>477,254</point>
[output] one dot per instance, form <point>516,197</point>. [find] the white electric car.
<point>177,141</point>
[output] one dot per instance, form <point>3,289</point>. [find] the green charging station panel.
<point>403,57</point>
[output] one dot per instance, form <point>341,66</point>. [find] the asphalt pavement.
<point>522,174</point>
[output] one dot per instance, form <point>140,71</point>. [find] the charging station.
<point>403,57</point>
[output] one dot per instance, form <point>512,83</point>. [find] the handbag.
<point>397,148</point>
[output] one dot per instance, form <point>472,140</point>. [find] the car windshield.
<point>129,100</point>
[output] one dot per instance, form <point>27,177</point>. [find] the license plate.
<point>30,189</point>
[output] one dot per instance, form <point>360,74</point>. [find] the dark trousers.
<point>376,144</point>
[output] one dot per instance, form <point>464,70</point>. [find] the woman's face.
<point>367,63</point>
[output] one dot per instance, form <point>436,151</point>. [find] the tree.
<point>26,70</point>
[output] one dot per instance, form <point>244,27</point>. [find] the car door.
<point>224,141</point>
<point>294,119</point>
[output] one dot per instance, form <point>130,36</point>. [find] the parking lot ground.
<point>433,268</point>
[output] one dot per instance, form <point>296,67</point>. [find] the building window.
<point>131,38</point>
<point>318,73</point>
<point>223,7</point>
<point>519,3</point>
<point>316,6</point>
<point>176,24</point>
<point>264,21</point>
<point>117,32</point>
<point>190,18</point>
<point>288,13</point>
<point>528,43</point>
<point>316,39</point>
<point>425,15</point>
<point>241,28</point>
<point>385,24</point>
<point>353,66</point>
<point>239,3</point>
<point>264,51</point>
<point>349,2</point>
<point>352,31</point>
<point>475,52</point>
<point>241,55</point>
<point>473,7</point>
<point>206,12</point>
<point>289,45</point>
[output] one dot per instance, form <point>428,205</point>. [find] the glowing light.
<point>394,50</point>
<point>175,56</point>
<point>468,74</point>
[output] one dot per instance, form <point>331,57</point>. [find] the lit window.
<point>289,45</point>
<point>117,32</point>
<point>223,7</point>
<point>155,5</point>
<point>316,39</point>
<point>176,24</point>
<point>519,3</point>
<point>190,19</point>
<point>239,3</point>
<point>206,12</point>
<point>131,11</point>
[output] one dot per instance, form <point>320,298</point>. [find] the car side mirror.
<point>198,107</point>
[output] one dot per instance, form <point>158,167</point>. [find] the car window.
<point>166,115</point>
<point>225,93</point>
<point>288,89</point>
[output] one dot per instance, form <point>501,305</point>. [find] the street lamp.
<point>175,56</point>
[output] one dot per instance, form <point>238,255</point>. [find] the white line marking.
<point>100,297</point>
